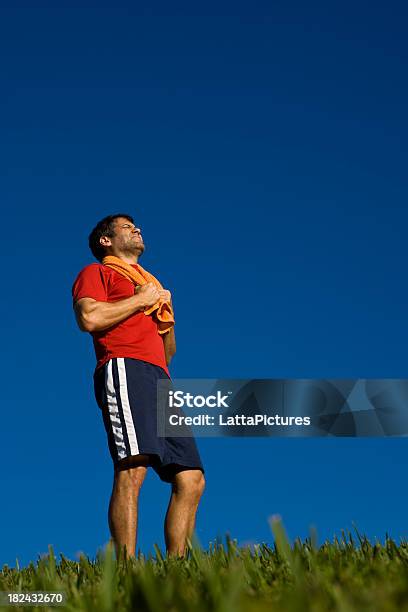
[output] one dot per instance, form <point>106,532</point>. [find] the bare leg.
<point>128,479</point>
<point>187,488</point>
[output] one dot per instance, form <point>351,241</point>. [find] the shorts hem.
<point>165,471</point>
<point>142,452</point>
<point>190,464</point>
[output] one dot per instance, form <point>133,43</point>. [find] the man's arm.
<point>94,316</point>
<point>169,341</point>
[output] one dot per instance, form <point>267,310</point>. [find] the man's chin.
<point>139,250</point>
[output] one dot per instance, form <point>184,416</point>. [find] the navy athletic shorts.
<point>126,393</point>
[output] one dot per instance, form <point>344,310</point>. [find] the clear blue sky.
<point>262,149</point>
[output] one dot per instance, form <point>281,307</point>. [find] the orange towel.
<point>161,311</point>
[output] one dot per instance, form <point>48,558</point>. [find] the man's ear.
<point>105,241</point>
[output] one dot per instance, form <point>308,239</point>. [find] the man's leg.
<point>187,488</point>
<point>128,479</point>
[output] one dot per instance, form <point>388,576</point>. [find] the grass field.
<point>348,574</point>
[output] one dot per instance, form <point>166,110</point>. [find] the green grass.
<point>348,574</point>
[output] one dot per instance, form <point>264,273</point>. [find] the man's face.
<point>127,238</point>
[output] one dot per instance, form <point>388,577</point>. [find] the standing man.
<point>130,317</point>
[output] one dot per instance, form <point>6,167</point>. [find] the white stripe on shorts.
<point>127,413</point>
<point>114,412</point>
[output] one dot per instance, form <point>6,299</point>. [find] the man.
<point>133,350</point>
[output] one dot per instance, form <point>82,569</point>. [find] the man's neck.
<point>129,259</point>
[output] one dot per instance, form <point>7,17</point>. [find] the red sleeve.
<point>91,283</point>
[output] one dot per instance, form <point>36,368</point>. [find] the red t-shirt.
<point>136,336</point>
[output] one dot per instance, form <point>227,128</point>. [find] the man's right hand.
<point>148,293</point>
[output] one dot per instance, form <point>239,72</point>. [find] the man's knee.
<point>190,482</point>
<point>132,471</point>
<point>200,483</point>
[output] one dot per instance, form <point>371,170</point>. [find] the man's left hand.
<point>165,295</point>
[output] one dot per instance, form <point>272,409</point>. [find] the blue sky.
<point>262,149</point>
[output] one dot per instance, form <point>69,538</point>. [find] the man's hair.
<point>104,227</point>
